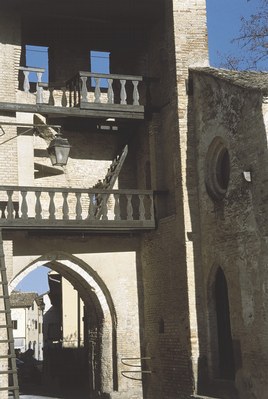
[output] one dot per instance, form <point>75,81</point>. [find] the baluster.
<point>26,83</point>
<point>141,207</point>
<point>65,206</point>
<point>92,207</point>
<point>74,87</point>
<point>64,97</point>
<point>136,96</point>
<point>51,208</point>
<point>70,94</point>
<point>129,207</point>
<point>78,208</point>
<point>10,208</point>
<point>151,207</point>
<point>16,209</point>
<point>123,93</point>
<point>110,93</point>
<point>104,207</point>
<point>38,206</point>
<point>3,205</point>
<point>84,89</point>
<point>51,100</point>
<point>39,89</point>
<point>97,91</point>
<point>24,205</point>
<point>116,207</point>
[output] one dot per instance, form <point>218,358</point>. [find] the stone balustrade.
<point>34,207</point>
<point>86,94</point>
<point>100,88</point>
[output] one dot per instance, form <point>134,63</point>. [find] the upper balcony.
<point>85,95</point>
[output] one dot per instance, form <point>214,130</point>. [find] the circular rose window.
<point>217,169</point>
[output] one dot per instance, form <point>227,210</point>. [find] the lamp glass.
<point>58,151</point>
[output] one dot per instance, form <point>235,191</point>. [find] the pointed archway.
<point>221,363</point>
<point>225,344</point>
<point>102,323</point>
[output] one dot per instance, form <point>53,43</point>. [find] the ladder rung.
<point>12,388</point>
<point>8,372</point>
<point>4,296</point>
<point>7,356</point>
<point>3,283</point>
<point>6,341</point>
<point>5,311</point>
<point>6,326</point>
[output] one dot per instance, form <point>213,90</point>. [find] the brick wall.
<point>168,254</point>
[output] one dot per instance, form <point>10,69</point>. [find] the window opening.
<point>217,169</point>
<point>225,344</point>
<point>223,169</point>
<point>37,56</point>
<point>100,63</point>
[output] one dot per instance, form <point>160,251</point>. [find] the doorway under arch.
<point>221,356</point>
<point>100,316</point>
<point>225,344</point>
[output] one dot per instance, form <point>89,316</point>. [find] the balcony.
<point>119,96</point>
<point>62,208</point>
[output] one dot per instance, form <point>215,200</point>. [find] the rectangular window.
<point>100,63</point>
<point>15,324</point>
<point>37,56</point>
<point>35,324</point>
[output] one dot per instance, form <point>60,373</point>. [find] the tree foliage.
<point>253,40</point>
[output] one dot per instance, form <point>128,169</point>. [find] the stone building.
<point>27,320</point>
<point>159,218</point>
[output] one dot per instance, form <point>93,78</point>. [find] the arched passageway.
<point>93,366</point>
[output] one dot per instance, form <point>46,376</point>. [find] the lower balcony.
<point>61,208</point>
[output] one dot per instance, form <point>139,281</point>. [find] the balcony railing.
<point>115,89</point>
<point>34,207</point>
<point>88,91</point>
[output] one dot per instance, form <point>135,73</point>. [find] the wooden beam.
<point>87,110</point>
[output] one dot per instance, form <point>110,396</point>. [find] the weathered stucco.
<point>233,230</point>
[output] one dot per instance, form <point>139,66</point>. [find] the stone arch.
<point>96,295</point>
<point>220,356</point>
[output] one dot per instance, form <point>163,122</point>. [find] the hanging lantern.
<point>58,150</point>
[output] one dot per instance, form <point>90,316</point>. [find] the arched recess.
<point>96,297</point>
<point>221,356</point>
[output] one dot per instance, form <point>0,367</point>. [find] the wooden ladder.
<point>7,357</point>
<point>109,181</point>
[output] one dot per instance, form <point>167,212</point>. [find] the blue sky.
<point>36,281</point>
<point>223,25</point>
